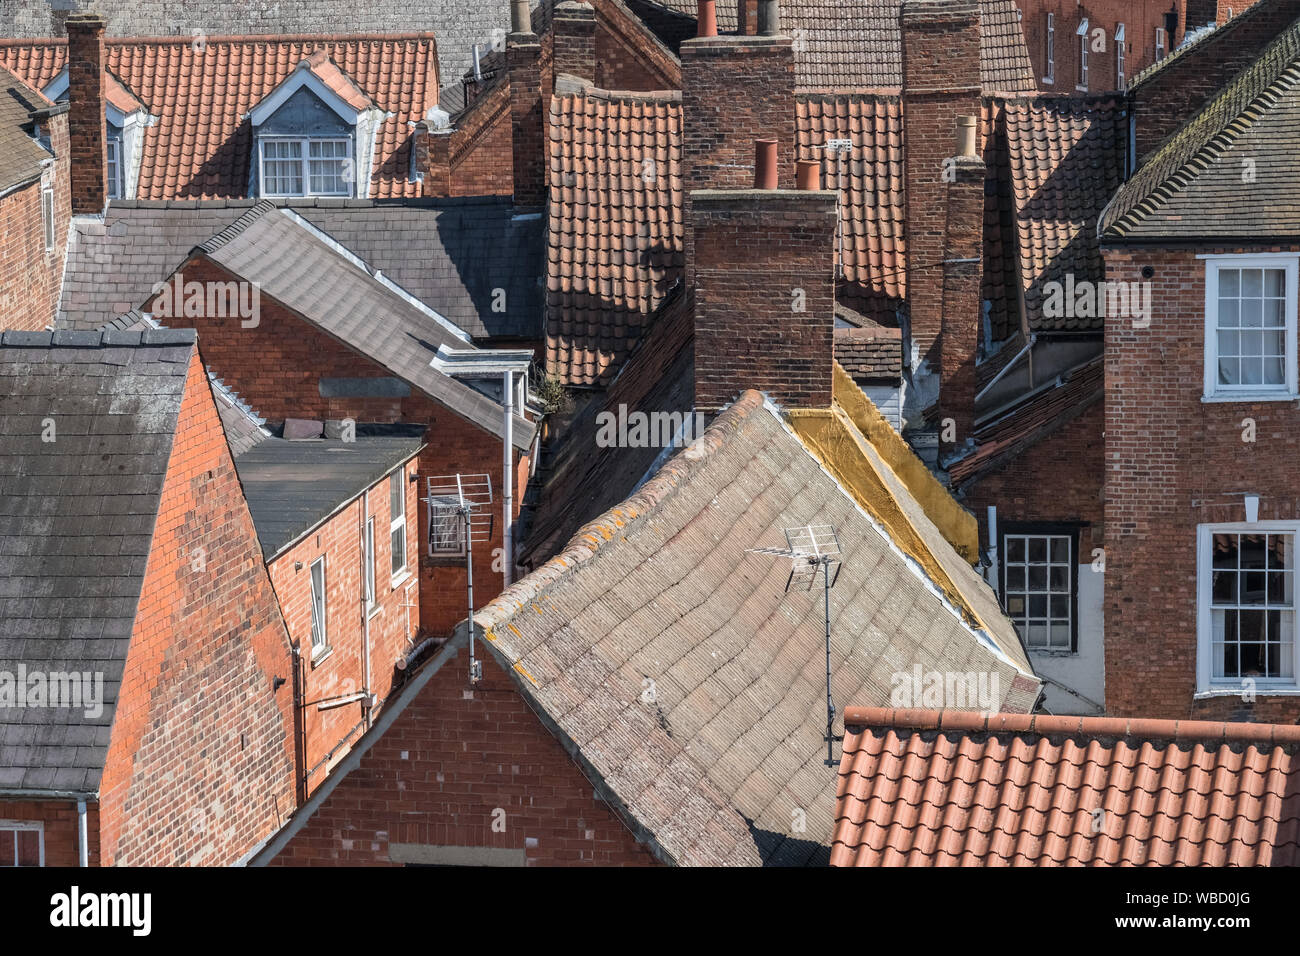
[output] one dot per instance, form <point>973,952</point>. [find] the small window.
<point>319,635</point>
<point>1050,52</point>
<point>1039,586</point>
<point>306,167</point>
<point>1119,57</point>
<point>1250,327</point>
<point>397,529</point>
<point>1083,55</point>
<point>22,843</point>
<point>47,217</point>
<point>368,562</point>
<point>1247,619</point>
<point>446,531</point>
<point>113,167</point>
<point>1160,43</point>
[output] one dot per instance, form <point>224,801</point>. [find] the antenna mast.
<point>814,548</point>
<point>460,516</point>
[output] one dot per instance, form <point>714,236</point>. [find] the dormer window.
<point>113,165</point>
<point>306,167</point>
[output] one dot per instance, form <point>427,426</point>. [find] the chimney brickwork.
<point>523,53</point>
<point>86,125</point>
<point>574,39</point>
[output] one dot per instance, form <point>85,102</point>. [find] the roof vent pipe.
<point>965,136</point>
<point>521,21</point>
<point>769,17</point>
<point>808,174</point>
<point>764,164</point>
<point>707,19</point>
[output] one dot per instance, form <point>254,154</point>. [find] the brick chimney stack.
<point>747,17</point>
<point>573,34</point>
<point>764,295</point>
<point>941,82</point>
<point>523,55</point>
<point>86,130</point>
<point>735,89</point>
<point>433,153</point>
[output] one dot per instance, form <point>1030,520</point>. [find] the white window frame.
<point>305,160</point>
<point>1212,390</point>
<point>369,592</point>
<point>26,826</point>
<point>47,216</point>
<point>397,523</point>
<point>1050,65</point>
<point>1160,44</point>
<point>113,173</point>
<point>1207,686</point>
<point>320,641</point>
<point>1081,83</point>
<point>1120,78</point>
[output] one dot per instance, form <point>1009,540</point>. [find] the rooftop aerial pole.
<point>814,548</point>
<point>460,517</point>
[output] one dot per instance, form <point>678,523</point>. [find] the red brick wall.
<point>573,39</point>
<point>627,58</point>
<point>200,765</point>
<point>1173,462</point>
<point>30,277</point>
<point>60,819</point>
<point>437,774</point>
<point>329,733</point>
<point>748,333</point>
<point>86,123</point>
<point>961,298</point>
<point>277,366</point>
<point>523,53</point>
<point>480,148</point>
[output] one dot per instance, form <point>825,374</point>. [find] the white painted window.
<point>47,217</point>
<point>113,167</point>
<point>368,562</point>
<point>1250,327</point>
<point>397,527</point>
<point>1160,43</point>
<point>446,531</point>
<point>1038,588</point>
<point>306,167</point>
<point>22,843</point>
<point>1083,55</point>
<point>1246,621</point>
<point>1119,57</point>
<point>1049,57</point>
<point>319,635</point>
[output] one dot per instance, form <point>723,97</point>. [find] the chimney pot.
<point>965,136</point>
<point>707,19</point>
<point>808,174</point>
<point>769,18</point>
<point>765,164</point>
<point>521,20</point>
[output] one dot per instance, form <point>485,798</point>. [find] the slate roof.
<point>1002,439</point>
<point>201,145</point>
<point>292,264</point>
<point>21,157</point>
<point>76,525</point>
<point>457,25</point>
<point>243,427</point>
<point>294,486</point>
<point>856,44</point>
<point>870,355</point>
<point>687,683</point>
<point>931,788</point>
<point>1065,160</point>
<point>451,254</point>
<point>1192,186</point>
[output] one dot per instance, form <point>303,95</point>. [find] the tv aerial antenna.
<point>814,552</point>
<point>460,516</point>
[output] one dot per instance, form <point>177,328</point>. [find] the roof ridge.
<point>588,541</point>
<point>268,38</point>
<point>98,338</point>
<point>236,228</point>
<point>1176,731</point>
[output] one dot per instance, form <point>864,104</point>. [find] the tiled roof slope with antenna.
<point>943,788</point>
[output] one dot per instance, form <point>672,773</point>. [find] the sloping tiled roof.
<point>944,788</point>
<point>451,254</point>
<point>1227,171</point>
<point>856,44</point>
<point>1066,159</point>
<point>21,157</point>
<point>76,524</point>
<point>290,262</point>
<point>201,145</point>
<point>615,237</point>
<point>870,354</point>
<point>1006,437</point>
<point>687,683</point>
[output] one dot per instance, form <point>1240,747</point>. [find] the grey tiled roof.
<point>293,265</point>
<point>76,523</point>
<point>20,155</point>
<point>1196,185</point>
<point>458,25</point>
<point>292,486</point>
<point>243,427</point>
<point>451,254</point>
<point>689,685</point>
